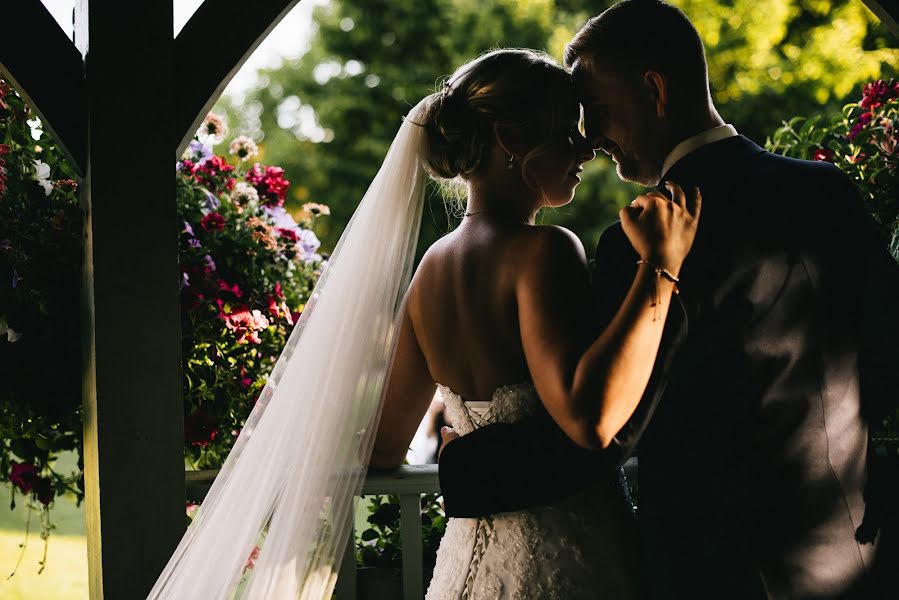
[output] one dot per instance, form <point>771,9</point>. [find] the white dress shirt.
<point>696,142</point>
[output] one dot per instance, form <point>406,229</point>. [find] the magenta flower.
<point>823,154</point>
<point>269,183</point>
<point>23,476</point>
<point>213,222</point>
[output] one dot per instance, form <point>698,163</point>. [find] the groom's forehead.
<point>590,78</point>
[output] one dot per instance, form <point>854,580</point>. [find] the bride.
<point>498,310</point>
<point>497,319</point>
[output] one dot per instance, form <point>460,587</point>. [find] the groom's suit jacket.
<point>754,428</point>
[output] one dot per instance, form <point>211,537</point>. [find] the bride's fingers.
<point>677,194</point>
<point>448,434</point>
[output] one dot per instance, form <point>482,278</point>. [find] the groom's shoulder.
<point>790,172</point>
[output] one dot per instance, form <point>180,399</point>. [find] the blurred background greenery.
<point>329,115</point>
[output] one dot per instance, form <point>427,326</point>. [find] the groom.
<point>753,433</point>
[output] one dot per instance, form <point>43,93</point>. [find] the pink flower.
<point>273,309</point>
<point>233,289</point>
<point>23,476</point>
<point>270,184</point>
<point>245,381</point>
<point>278,291</point>
<point>213,174</point>
<point>823,154</point>
<point>213,222</point>
<point>246,324</point>
<point>860,124</point>
<point>251,561</point>
<point>876,93</point>
<point>276,310</point>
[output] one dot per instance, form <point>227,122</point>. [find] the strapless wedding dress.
<point>582,547</point>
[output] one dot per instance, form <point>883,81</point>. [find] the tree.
<point>371,60</point>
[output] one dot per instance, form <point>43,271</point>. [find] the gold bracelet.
<point>660,272</point>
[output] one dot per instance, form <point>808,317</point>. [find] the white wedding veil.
<point>301,457</point>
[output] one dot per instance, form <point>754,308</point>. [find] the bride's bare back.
<point>463,307</point>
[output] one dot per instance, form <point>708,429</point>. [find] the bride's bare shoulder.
<point>552,243</point>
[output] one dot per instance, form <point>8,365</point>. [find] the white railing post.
<point>346,578</point>
<point>410,537</point>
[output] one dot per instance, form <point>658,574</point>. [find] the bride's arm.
<point>590,393</point>
<point>410,390</point>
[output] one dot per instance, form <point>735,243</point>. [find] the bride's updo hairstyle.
<point>523,92</point>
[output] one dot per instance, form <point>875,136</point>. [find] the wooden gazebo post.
<point>124,101</point>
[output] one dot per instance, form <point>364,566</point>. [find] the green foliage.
<point>863,141</point>
<point>40,294</point>
<point>379,545</point>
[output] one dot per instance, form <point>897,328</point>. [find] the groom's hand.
<point>447,434</point>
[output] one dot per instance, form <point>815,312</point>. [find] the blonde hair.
<point>522,91</point>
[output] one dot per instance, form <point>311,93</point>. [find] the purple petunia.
<point>308,244</point>
<point>201,152</point>
<point>280,217</point>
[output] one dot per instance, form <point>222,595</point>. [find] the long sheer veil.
<point>302,454</point>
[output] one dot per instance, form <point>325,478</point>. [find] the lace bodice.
<point>510,403</point>
<point>579,548</point>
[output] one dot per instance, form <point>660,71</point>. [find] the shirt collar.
<point>696,142</point>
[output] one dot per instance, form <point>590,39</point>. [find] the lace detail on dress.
<point>582,547</point>
<point>510,403</point>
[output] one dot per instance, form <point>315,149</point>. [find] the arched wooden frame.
<point>124,62</point>
<point>56,87</point>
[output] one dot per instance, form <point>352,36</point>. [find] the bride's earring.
<point>510,165</point>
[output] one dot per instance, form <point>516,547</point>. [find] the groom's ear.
<point>656,85</point>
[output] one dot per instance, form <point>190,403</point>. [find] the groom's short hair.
<point>635,36</point>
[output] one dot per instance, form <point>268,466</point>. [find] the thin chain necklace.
<point>474,212</point>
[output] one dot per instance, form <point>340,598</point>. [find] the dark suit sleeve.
<point>505,467</point>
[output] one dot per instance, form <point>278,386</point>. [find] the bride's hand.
<point>662,230</point>
<point>448,434</point>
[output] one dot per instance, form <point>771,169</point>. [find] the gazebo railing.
<point>408,482</point>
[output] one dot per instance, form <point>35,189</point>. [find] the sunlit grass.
<point>65,575</point>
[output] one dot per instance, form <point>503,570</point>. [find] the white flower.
<point>316,209</point>
<point>12,336</point>
<point>244,193</point>
<point>214,125</point>
<point>42,176</point>
<point>244,147</point>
